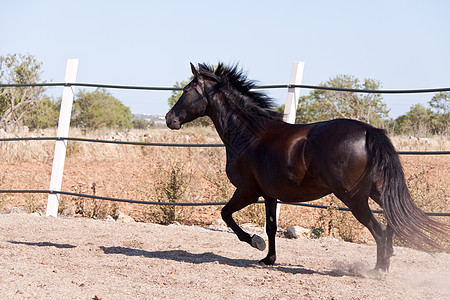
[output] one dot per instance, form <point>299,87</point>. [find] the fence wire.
<point>187,203</point>
<point>270,86</point>
<point>109,142</point>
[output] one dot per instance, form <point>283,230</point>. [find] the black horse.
<point>296,163</point>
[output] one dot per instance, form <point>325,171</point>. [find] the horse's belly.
<point>303,192</point>
<point>302,196</point>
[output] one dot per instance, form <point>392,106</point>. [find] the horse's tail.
<point>407,220</point>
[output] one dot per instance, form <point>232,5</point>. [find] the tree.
<point>440,106</point>
<point>43,114</point>
<point>423,121</point>
<point>321,105</point>
<point>416,121</point>
<point>15,102</point>
<point>99,109</point>
<point>141,124</point>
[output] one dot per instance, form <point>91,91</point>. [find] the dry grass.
<point>139,172</point>
<point>410,143</point>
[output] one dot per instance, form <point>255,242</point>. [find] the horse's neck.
<point>237,129</point>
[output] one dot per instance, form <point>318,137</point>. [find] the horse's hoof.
<point>263,264</point>
<point>268,261</point>
<point>377,273</point>
<point>258,242</point>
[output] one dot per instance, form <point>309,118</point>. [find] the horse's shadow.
<point>43,244</point>
<point>196,258</point>
<point>209,257</point>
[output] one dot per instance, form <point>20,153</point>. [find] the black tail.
<point>406,219</point>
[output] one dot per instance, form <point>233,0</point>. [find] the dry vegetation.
<point>168,174</point>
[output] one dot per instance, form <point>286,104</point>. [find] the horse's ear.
<point>194,71</point>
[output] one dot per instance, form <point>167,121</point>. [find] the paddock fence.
<point>290,86</point>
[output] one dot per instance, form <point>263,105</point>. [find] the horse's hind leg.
<point>237,202</point>
<point>359,207</point>
<point>389,250</point>
<point>375,195</point>
<point>271,229</point>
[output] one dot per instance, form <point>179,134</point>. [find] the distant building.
<point>153,120</point>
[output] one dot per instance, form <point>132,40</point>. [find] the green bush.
<point>99,109</point>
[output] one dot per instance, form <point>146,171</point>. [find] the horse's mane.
<point>234,80</point>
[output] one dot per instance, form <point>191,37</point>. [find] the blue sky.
<point>403,44</point>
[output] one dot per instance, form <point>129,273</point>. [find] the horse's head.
<point>194,101</point>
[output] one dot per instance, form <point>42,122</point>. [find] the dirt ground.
<point>80,258</point>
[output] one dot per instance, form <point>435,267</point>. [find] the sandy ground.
<point>79,258</point>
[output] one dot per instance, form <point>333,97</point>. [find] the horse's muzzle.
<point>172,121</point>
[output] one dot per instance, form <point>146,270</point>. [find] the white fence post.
<point>290,108</point>
<point>63,131</point>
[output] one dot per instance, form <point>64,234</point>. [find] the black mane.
<point>250,101</point>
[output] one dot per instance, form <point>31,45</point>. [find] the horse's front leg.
<point>271,230</point>
<point>237,202</point>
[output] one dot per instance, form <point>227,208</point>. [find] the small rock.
<point>297,232</point>
<point>109,219</point>
<point>16,210</point>
<point>218,224</point>
<point>425,140</point>
<point>175,223</point>
<point>123,218</point>
<point>35,214</point>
